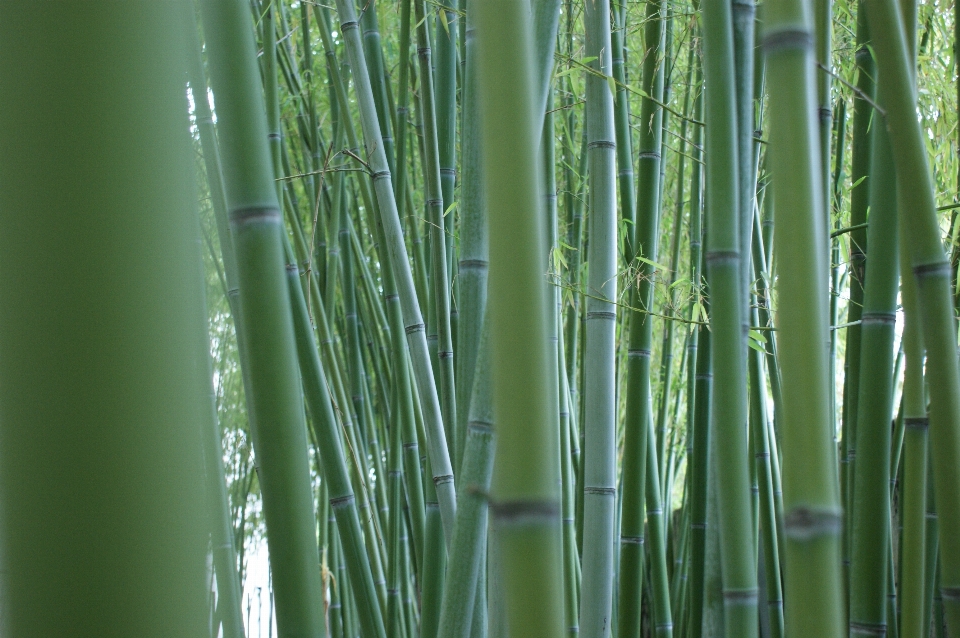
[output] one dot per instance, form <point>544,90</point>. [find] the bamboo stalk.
<point>103,366</point>
<point>525,497</point>
<point>812,514</point>
<point>871,515</point>
<point>277,414</point>
<point>600,484</point>
<point>645,242</point>
<point>724,260</point>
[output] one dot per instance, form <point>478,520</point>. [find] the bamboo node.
<point>950,593</point>
<point>602,314</point>
<point>600,491</point>
<point>380,175</point>
<point>601,144</point>
<point>254,215</point>
<point>882,318</point>
<point>631,540</point>
<point>740,597</point>
<point>806,523</point>
<point>868,629</point>
<point>341,501</point>
<point>481,427</point>
<point>722,257</point>
<point>442,479</point>
<point>787,39</point>
<point>940,268</point>
<point>525,512</point>
<point>916,422</point>
<point>417,327</point>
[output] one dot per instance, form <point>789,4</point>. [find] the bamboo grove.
<point>490,318</point>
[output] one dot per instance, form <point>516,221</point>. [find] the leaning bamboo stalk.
<point>393,235</point>
<point>725,263</point>
<point>932,273</point>
<point>277,414</point>
<point>525,496</point>
<point>812,513</point>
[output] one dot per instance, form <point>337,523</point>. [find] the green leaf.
<point>443,21</point>
<point>758,336</point>
<point>652,263</point>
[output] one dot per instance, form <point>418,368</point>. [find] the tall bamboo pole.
<point>103,394</point>
<point>474,259</point>
<point>812,514</point>
<point>277,416</point>
<point>525,494</point>
<point>600,484</point>
<point>870,522</point>
<point>644,244</point>
<point>725,261</point>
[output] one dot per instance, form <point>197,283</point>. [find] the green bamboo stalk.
<point>525,496</point>
<point>434,563</point>
<point>229,589</point>
<point>621,110</point>
<point>376,70</point>
<point>659,581</point>
<point>600,484</point>
<point>394,619</point>
<point>932,274</point>
<point>725,263</point>
<point>445,99</point>
<point>698,422</point>
<point>913,564</point>
<point>469,536</point>
<point>931,553</point>
<point>770,552</point>
<point>812,514</point>
<point>640,345</point>
<point>435,216</point>
<point>859,200</point>
<point>743,18</point>
<point>94,423</point>
<point>871,512</point>
<point>277,416</point>
<point>473,265</point>
<point>413,320</point>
